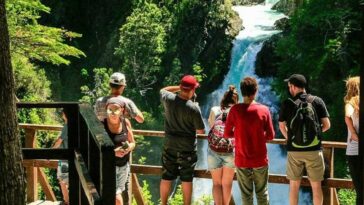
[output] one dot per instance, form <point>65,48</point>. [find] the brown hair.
<point>230,97</point>
<point>352,92</point>
<point>248,86</point>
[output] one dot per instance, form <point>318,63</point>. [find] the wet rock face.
<point>287,7</point>
<point>267,61</point>
<point>247,2</point>
<point>282,24</point>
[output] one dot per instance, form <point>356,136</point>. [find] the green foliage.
<point>32,43</point>
<point>204,200</point>
<point>323,44</point>
<point>31,82</point>
<point>142,43</point>
<point>163,40</point>
<point>147,196</point>
<point>347,196</point>
<point>177,198</point>
<point>99,84</point>
<point>35,41</point>
<point>198,72</point>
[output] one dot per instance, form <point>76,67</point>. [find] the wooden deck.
<point>41,202</point>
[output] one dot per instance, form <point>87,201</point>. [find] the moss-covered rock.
<point>287,7</point>
<point>247,2</point>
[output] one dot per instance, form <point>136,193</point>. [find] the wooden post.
<point>330,194</point>
<point>32,177</point>
<point>137,191</point>
<point>107,175</point>
<point>71,112</point>
<point>127,193</point>
<point>47,188</point>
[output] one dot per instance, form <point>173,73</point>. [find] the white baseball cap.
<point>117,79</point>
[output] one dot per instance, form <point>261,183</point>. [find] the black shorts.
<point>175,163</point>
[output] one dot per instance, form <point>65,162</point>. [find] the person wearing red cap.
<point>182,121</point>
<point>302,120</point>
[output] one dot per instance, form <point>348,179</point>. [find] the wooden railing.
<point>90,154</point>
<point>91,159</point>
<point>329,184</point>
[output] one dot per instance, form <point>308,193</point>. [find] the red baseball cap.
<point>189,82</point>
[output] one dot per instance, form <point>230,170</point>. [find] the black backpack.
<point>304,128</point>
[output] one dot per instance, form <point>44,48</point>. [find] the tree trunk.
<point>12,183</point>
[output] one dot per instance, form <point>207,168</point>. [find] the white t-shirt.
<point>353,146</point>
<point>215,111</point>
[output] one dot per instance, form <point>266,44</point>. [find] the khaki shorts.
<point>313,161</point>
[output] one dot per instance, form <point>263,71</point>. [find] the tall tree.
<point>12,184</point>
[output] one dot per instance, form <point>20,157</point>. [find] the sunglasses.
<point>114,112</point>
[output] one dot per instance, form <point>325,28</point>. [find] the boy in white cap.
<point>117,84</point>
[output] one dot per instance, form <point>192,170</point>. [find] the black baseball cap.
<point>297,80</point>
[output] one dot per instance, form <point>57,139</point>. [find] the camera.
<point>125,145</point>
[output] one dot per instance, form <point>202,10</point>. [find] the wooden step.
<point>42,202</point>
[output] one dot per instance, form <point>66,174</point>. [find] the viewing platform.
<point>91,160</point>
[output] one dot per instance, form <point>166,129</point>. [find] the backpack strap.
<point>310,98</point>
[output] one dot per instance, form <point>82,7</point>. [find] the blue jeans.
<point>250,178</point>
<point>218,160</point>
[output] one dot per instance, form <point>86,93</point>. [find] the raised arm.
<point>139,117</point>
<point>172,89</point>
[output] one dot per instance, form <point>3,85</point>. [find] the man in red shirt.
<point>250,123</point>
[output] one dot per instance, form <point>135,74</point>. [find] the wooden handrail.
<point>88,186</point>
<point>273,178</point>
<point>96,128</point>
<point>53,164</point>
<point>41,127</point>
<point>328,144</point>
<point>97,132</point>
<point>152,133</point>
<point>95,168</point>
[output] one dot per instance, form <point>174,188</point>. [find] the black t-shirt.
<point>287,112</point>
<point>182,119</point>
<point>118,139</point>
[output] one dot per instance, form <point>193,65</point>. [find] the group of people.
<point>237,138</point>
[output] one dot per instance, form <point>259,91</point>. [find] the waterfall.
<point>258,26</point>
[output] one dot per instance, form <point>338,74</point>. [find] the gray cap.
<point>117,79</point>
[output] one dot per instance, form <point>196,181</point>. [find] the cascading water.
<point>258,24</point>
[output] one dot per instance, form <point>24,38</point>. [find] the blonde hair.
<point>353,92</point>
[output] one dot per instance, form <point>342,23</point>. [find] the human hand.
<point>354,137</point>
<point>122,151</point>
<point>119,152</point>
